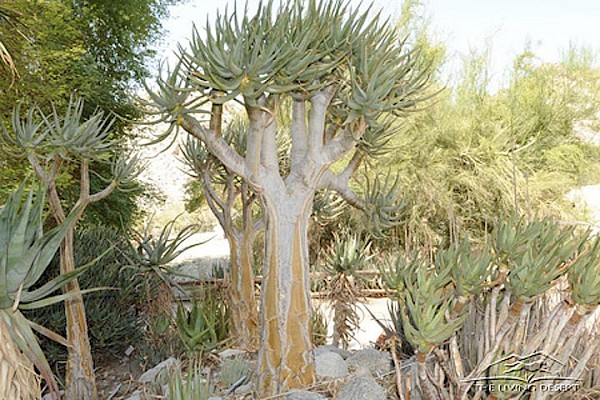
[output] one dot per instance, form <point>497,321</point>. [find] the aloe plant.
<point>53,143</point>
<point>25,253</point>
<point>193,387</point>
<point>584,276</point>
<point>535,254</point>
<point>348,255</point>
<point>205,325</point>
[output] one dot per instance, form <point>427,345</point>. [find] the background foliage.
<point>96,49</point>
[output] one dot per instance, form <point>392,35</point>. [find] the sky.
<point>549,26</point>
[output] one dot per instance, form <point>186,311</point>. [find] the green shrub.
<point>233,370</point>
<point>111,314</point>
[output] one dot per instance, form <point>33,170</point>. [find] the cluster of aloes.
<point>522,262</point>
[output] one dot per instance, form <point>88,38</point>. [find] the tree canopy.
<point>96,49</point>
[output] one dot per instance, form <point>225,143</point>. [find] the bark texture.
<point>286,353</point>
<point>244,308</point>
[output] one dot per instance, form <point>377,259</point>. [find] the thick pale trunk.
<point>244,309</point>
<point>286,354</point>
<point>80,379</point>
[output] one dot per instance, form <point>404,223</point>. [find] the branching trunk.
<point>286,357</point>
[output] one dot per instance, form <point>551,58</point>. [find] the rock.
<point>374,361</point>
<point>361,388</point>
<point>331,348</point>
<point>244,389</point>
<point>160,373</point>
<point>231,353</point>
<point>304,395</point>
<point>331,365</point>
<point>215,398</point>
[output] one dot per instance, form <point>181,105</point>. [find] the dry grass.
<point>18,380</point>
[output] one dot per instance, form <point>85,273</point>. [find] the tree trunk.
<point>81,380</point>
<point>244,309</point>
<point>285,359</point>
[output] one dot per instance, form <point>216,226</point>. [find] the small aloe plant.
<point>205,325</point>
<point>195,386</point>
<point>584,276</point>
<point>347,256</point>
<point>25,253</point>
<point>154,253</point>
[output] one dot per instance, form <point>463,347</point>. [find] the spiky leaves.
<point>25,253</point>
<point>426,300</point>
<point>344,71</point>
<point>534,254</point>
<point>584,275</point>
<point>347,255</point>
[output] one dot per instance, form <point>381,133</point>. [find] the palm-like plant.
<point>25,253</point>
<point>348,255</point>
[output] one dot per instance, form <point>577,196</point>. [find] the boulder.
<point>331,348</point>
<point>370,360</point>
<point>159,374</point>
<point>361,388</point>
<point>304,395</point>
<point>331,365</point>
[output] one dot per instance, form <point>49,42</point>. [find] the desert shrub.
<point>234,370</point>
<point>112,315</point>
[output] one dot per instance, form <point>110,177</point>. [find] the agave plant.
<point>25,253</point>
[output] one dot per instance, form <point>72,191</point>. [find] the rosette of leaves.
<point>154,253</point>
<point>383,209</point>
<point>205,325</point>
<point>426,301</point>
<point>195,385</point>
<point>535,254</point>
<point>471,269</point>
<point>25,253</point>
<point>584,275</point>
<point>348,255</point>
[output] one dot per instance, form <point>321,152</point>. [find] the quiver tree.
<point>227,196</point>
<point>55,145</point>
<point>346,75</point>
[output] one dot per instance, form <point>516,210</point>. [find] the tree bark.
<point>285,359</point>
<point>81,379</point>
<point>244,309</point>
